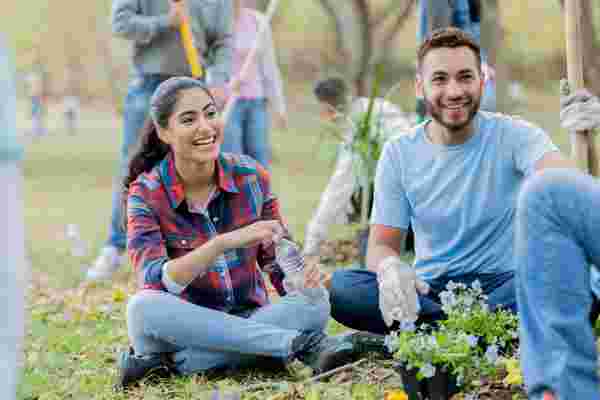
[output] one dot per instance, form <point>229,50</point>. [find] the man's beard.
<point>436,113</point>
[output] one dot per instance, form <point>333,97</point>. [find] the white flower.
<point>451,286</point>
<point>472,340</point>
<point>432,341</point>
<point>448,299</point>
<point>476,285</point>
<point>459,380</point>
<point>407,326</point>
<point>471,396</point>
<point>428,370</point>
<point>491,354</point>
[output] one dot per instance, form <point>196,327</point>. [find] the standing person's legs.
<point>233,141</point>
<point>257,137</point>
<point>136,108</point>
<point>204,339</point>
<point>13,277</point>
<point>354,295</point>
<point>556,239</point>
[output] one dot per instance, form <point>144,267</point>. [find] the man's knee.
<point>543,190</point>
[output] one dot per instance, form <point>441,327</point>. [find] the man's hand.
<point>176,13</point>
<point>580,111</point>
<point>398,286</point>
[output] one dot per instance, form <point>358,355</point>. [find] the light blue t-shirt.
<point>459,199</point>
<point>10,149</point>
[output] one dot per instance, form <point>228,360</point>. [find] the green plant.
<point>467,344</point>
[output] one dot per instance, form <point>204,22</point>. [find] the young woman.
<point>260,90</point>
<point>200,223</point>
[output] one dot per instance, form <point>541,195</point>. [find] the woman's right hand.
<point>251,235</point>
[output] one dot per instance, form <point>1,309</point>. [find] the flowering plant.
<point>467,344</point>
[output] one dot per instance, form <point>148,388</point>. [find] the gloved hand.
<point>580,111</point>
<point>398,287</point>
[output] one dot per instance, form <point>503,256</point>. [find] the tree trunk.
<point>361,80</point>
<point>492,39</point>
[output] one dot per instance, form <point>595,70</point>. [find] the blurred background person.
<point>338,203</point>
<point>260,89</point>
<point>12,234</point>
<point>158,54</point>
<point>465,15</point>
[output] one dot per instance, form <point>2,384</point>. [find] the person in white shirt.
<point>338,107</point>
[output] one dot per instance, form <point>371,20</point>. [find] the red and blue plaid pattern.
<point>161,227</point>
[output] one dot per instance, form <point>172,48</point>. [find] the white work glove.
<point>398,287</point>
<point>580,111</point>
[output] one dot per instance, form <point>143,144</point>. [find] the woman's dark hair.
<point>150,149</point>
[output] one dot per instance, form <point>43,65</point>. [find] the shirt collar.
<point>174,186</point>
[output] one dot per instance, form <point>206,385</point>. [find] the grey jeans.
<point>205,339</point>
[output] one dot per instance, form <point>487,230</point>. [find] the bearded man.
<point>455,180</point>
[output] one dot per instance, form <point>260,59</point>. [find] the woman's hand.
<point>252,235</point>
<point>313,276</point>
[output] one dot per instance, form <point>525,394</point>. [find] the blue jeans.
<point>204,339</point>
<point>354,297</point>
<point>558,223</point>
<point>136,107</point>
<point>247,131</point>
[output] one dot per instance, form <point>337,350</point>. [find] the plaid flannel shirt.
<point>161,227</point>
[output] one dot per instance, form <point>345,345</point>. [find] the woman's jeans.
<point>204,339</point>
<point>247,131</point>
<point>135,112</point>
<point>557,238</point>
<point>13,277</point>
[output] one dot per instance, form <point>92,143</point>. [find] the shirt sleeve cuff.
<point>170,284</point>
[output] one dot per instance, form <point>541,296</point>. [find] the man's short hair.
<point>332,91</point>
<point>450,37</point>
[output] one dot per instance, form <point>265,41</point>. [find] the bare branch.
<point>400,20</point>
<point>388,11</point>
<point>339,29</point>
<point>366,51</point>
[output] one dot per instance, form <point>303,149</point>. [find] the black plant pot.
<point>441,386</point>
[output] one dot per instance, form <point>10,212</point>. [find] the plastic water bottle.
<point>290,259</point>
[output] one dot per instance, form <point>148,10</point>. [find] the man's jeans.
<point>13,277</point>
<point>354,296</point>
<point>557,238</point>
<point>247,131</point>
<point>137,103</point>
<point>204,339</point>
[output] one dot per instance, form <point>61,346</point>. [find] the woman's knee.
<point>141,303</point>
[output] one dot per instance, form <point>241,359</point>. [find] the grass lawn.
<point>75,331</point>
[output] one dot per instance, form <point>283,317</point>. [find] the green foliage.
<point>365,143</point>
<point>466,344</point>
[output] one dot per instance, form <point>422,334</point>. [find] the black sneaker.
<point>133,368</point>
<point>321,352</point>
<point>366,342</point>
